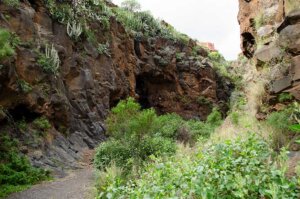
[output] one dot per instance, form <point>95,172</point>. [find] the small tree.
<point>131,5</point>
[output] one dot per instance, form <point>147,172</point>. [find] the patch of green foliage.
<point>203,101</point>
<point>11,3</point>
<point>22,125</point>
<point>42,123</point>
<point>234,116</point>
<point>24,86</point>
<point>283,97</point>
<point>231,169</point>
<point>132,137</point>
<point>137,134</point>
<point>281,123</point>
<point>49,60</point>
<point>143,22</point>
<point>280,120</point>
<point>104,49</point>
<point>16,172</point>
<point>8,42</point>
<point>131,5</point>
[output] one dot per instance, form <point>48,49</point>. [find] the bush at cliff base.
<point>241,168</point>
<point>136,134</point>
<point>16,172</point>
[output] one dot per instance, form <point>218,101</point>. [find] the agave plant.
<point>74,29</point>
<point>49,61</point>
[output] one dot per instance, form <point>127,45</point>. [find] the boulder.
<point>289,39</point>
<point>267,53</point>
<point>295,91</point>
<point>265,31</point>
<point>291,19</point>
<point>281,84</point>
<point>295,71</point>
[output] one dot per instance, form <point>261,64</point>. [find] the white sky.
<point>206,20</point>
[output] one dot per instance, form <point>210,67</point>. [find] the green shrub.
<point>131,5</point>
<point>6,45</point>
<point>104,49</point>
<point>133,137</point>
<point>215,56</point>
<point>42,123</point>
<point>74,30</point>
<point>49,61</point>
<point>215,117</point>
<point>137,134</point>
<point>11,3</point>
<point>203,101</point>
<point>16,172</point>
<point>24,86</point>
<point>22,125</point>
<point>234,116</point>
<point>283,97</point>
<point>230,169</point>
<point>280,120</point>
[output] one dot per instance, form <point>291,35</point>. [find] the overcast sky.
<point>206,20</point>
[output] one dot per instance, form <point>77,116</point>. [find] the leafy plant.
<point>24,86</point>
<point>215,56</point>
<point>74,30</point>
<point>137,134</point>
<point>8,42</point>
<point>203,101</point>
<point>131,5</point>
<point>234,116</point>
<point>42,123</point>
<point>49,61</point>
<point>133,138</point>
<point>295,128</point>
<point>104,49</point>
<point>283,97</point>
<point>229,169</point>
<point>215,118</point>
<point>11,3</point>
<point>16,172</point>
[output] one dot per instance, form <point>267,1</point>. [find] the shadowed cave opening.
<point>21,112</point>
<point>142,91</point>
<point>248,44</point>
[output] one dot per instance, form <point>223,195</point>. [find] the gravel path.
<point>77,185</point>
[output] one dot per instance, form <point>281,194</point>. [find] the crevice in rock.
<point>137,48</point>
<point>21,112</point>
<point>142,91</point>
<point>248,44</point>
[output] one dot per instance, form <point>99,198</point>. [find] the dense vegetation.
<point>16,172</point>
<point>137,134</point>
<point>231,169</point>
<point>139,160</point>
<point>136,22</point>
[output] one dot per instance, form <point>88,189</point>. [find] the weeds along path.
<point>78,184</point>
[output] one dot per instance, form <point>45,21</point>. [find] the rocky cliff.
<point>73,79</point>
<point>270,36</point>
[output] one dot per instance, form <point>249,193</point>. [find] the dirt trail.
<point>78,184</point>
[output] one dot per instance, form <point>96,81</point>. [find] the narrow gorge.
<point>106,101</point>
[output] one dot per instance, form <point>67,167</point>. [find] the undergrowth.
<point>16,172</point>
<point>137,134</point>
<point>241,168</point>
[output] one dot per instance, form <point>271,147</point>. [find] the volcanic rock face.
<point>78,98</point>
<point>270,35</point>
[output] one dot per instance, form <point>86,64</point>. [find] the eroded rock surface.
<point>78,99</point>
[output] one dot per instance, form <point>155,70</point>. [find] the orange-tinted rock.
<point>78,99</point>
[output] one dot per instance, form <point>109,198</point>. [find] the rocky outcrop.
<point>270,35</point>
<point>78,98</point>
